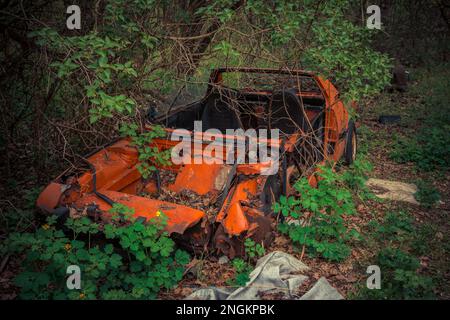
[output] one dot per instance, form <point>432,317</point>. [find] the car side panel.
<point>336,121</point>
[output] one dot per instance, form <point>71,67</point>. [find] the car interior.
<point>288,110</point>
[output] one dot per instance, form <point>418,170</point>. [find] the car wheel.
<point>351,144</point>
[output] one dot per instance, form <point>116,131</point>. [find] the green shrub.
<point>427,194</point>
<point>399,277</point>
<point>396,226</point>
<point>16,219</point>
<point>149,156</point>
<point>242,276</point>
<point>397,237</point>
<point>138,261</point>
<point>252,249</point>
<point>243,268</point>
<point>422,238</point>
<point>355,178</point>
<point>320,214</point>
<point>429,150</point>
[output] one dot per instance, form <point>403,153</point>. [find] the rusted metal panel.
<point>179,217</point>
<point>49,198</point>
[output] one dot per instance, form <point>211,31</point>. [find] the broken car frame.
<point>237,199</point>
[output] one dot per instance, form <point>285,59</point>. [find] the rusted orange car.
<point>216,206</point>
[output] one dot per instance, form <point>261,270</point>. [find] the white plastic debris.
<point>275,272</point>
<point>393,190</point>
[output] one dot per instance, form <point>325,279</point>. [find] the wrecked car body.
<point>214,205</point>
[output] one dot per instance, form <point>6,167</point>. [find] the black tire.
<point>351,144</point>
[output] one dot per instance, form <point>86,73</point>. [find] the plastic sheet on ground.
<point>275,272</point>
